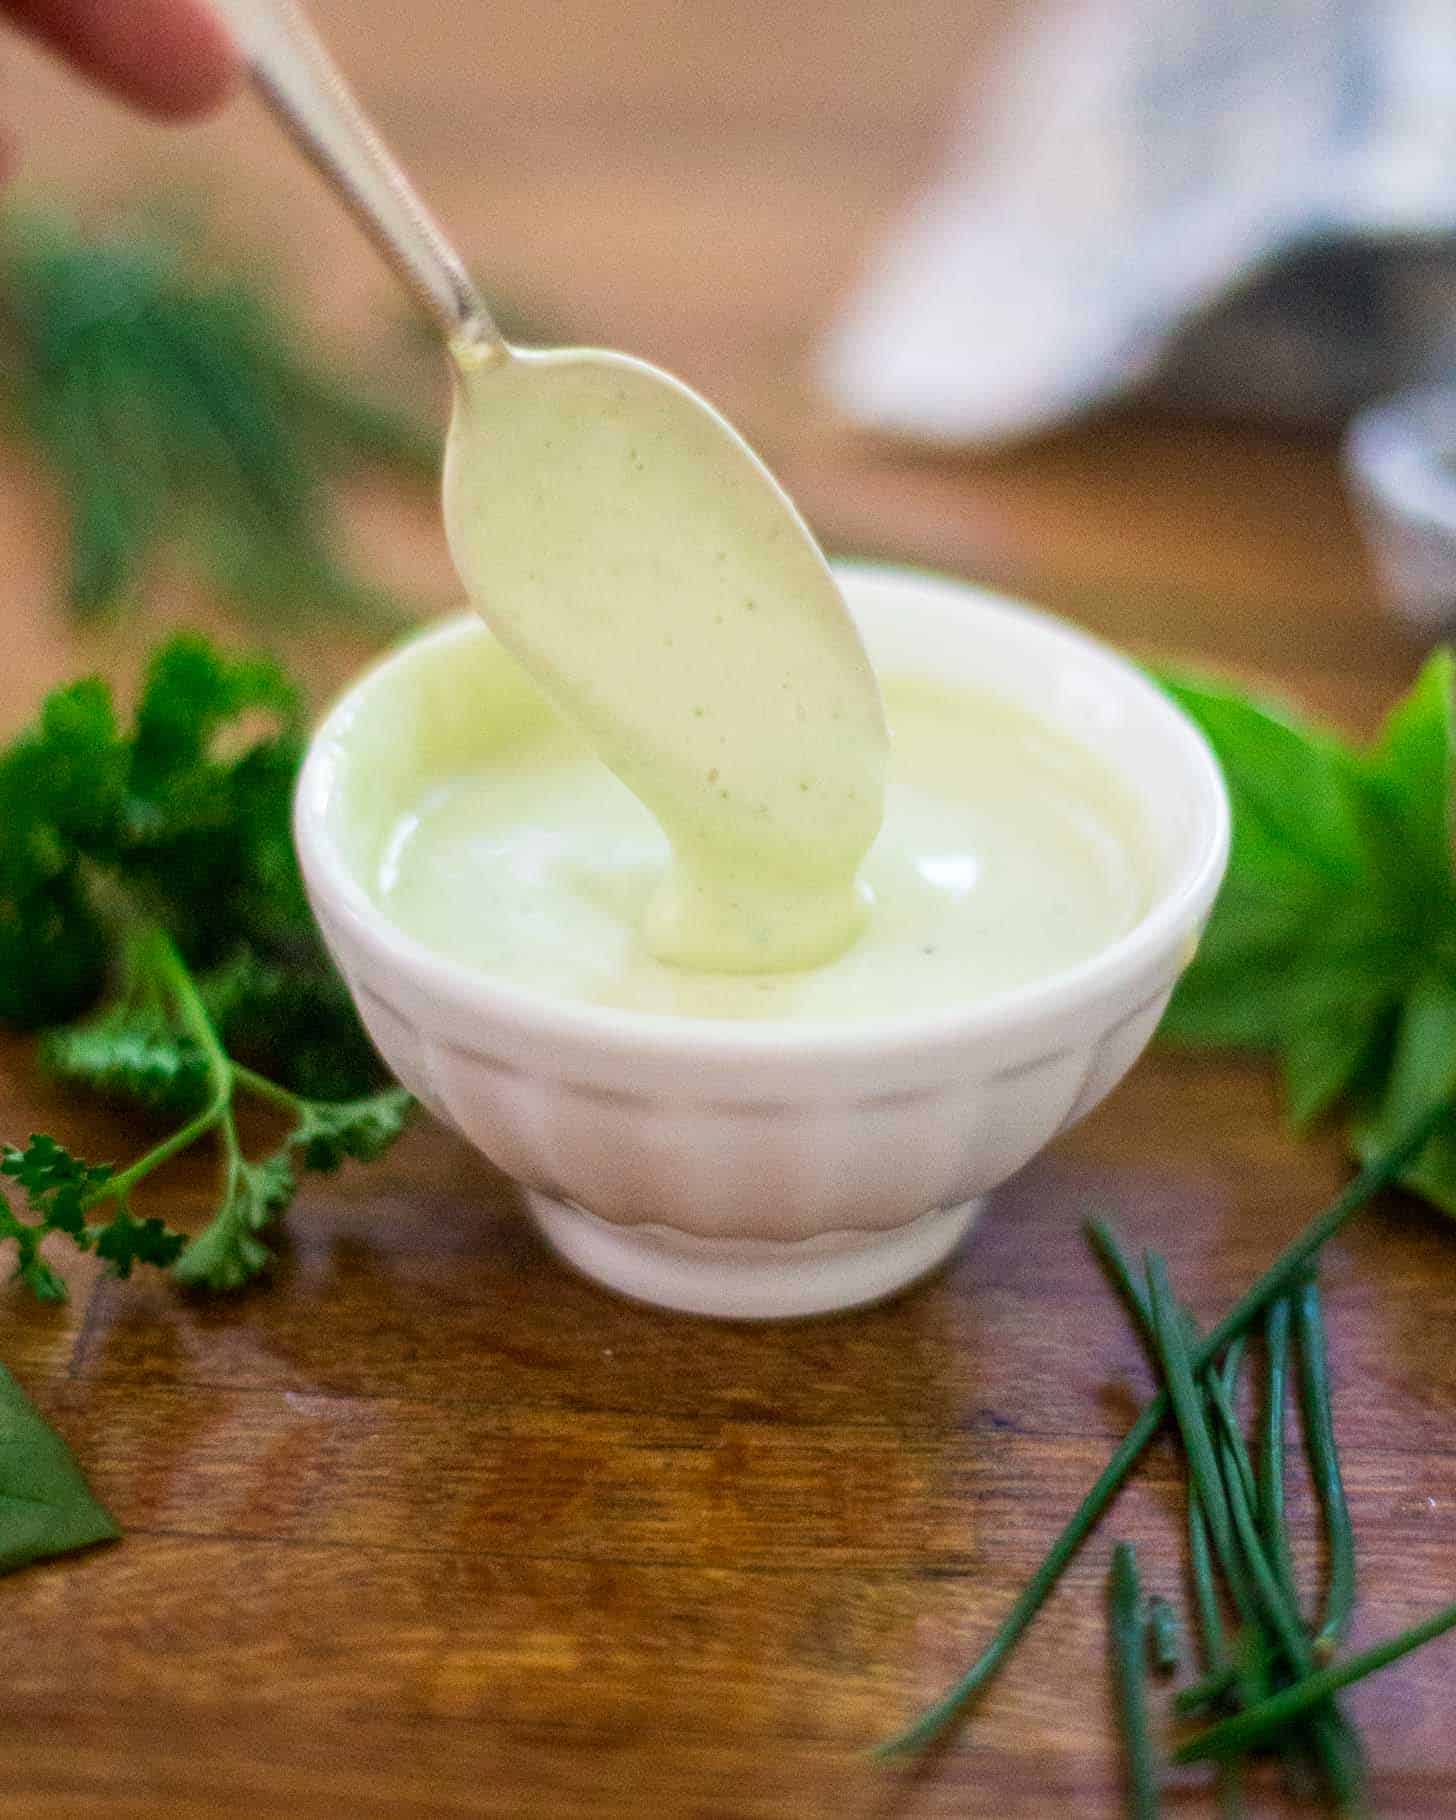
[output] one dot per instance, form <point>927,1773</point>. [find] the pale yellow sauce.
<point>1008,854</point>
<point>635,556</point>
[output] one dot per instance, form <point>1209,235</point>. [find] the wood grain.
<point>429,1527</point>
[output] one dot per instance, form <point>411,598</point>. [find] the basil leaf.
<point>1422,1072</point>
<point>1410,771</point>
<point>1291,783</point>
<point>1324,1054</point>
<point>46,1507</point>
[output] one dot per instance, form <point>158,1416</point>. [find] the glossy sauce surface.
<point>1007,855</point>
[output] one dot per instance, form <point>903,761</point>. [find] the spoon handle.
<point>301,84</point>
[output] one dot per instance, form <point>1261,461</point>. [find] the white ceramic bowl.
<point>762,1169</point>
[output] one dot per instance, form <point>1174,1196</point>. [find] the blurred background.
<point>876,236</point>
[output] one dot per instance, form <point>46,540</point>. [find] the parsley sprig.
<point>153,922</point>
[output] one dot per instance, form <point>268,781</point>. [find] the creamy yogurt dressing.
<point>638,559</point>
<point>1007,855</point>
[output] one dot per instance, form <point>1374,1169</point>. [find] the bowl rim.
<point>1169,920</point>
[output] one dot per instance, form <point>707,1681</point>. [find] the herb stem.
<point>1378,1173</point>
<point>1110,1255</point>
<point>1128,1627</point>
<point>1171,1333</point>
<point>1271,1448</point>
<point>1163,1633</point>
<point>164,961</point>
<point>1219,1386</point>
<point>262,1088</point>
<point>1328,1733</point>
<point>1210,1687</point>
<point>1255,1726</point>
<point>1324,1459</point>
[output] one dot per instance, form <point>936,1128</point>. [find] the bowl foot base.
<point>749,1279</point>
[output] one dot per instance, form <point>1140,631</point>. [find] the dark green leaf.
<point>57,1184</point>
<point>124,1241</point>
<point>46,1507</point>
<point>30,1267</point>
<point>53,954</point>
<point>192,691</point>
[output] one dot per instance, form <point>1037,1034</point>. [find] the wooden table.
<point>430,1528</point>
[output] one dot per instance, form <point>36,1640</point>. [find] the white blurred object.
<point>1245,206</point>
<point>1400,458</point>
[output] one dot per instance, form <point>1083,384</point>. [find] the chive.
<point>1125,1600</point>
<point>1271,1451</point>
<point>1219,1386</point>
<point>1205,1691</point>
<point>1178,1371</point>
<point>1164,1633</point>
<point>1110,1255</point>
<point>1332,1746</point>
<point>1259,1723</point>
<point>1324,1459</point>
<point>1378,1173</point>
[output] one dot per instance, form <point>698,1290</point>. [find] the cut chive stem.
<point>1258,1724</point>
<point>1281,1618</point>
<point>1171,1330</point>
<point>1128,1628</point>
<point>1164,1635</point>
<point>1120,1273</point>
<point>1272,1521</point>
<point>1220,1397</point>
<point>1328,1734</point>
<point>1205,1691</point>
<point>1324,1460</point>
<point>1377,1174</point>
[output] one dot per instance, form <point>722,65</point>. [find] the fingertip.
<point>191,69</point>
<point>174,58</point>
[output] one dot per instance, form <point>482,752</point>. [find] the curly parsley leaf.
<point>227,1253</point>
<point>363,1129</point>
<point>1333,944</point>
<point>125,1240</point>
<point>129,1055</point>
<point>57,1185</point>
<point>152,913</point>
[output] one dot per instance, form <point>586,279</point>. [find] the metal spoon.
<point>627,545</point>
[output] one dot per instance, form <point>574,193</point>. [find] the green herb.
<point>1333,943</point>
<point>1261,1722</point>
<point>1324,1459</point>
<point>1378,1173</point>
<point>46,1507</point>
<point>1164,1632</point>
<point>176,412</point>
<point>1128,1631</point>
<point>152,915</point>
<point>1271,1453</point>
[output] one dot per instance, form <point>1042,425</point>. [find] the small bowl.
<point>760,1169</point>
<point>1400,462</point>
